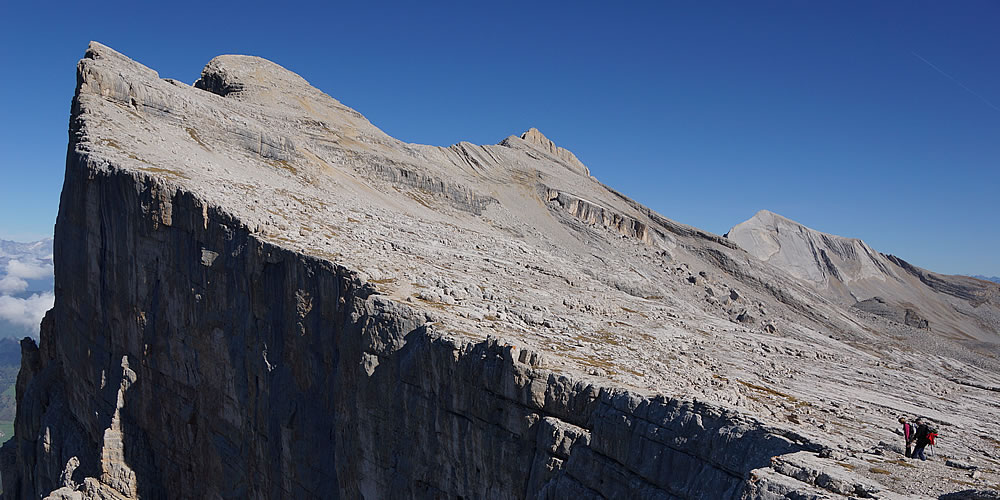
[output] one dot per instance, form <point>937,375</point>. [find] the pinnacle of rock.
<point>534,137</point>
<point>260,294</point>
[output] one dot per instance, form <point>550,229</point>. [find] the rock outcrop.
<point>261,295</point>
<point>537,140</point>
<point>848,271</point>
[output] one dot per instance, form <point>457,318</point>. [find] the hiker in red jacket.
<point>924,438</point>
<point>908,435</point>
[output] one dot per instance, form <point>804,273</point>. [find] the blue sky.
<point>878,120</point>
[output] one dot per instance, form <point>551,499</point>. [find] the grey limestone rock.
<point>849,271</point>
<point>261,295</point>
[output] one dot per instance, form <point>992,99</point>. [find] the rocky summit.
<point>259,294</point>
<point>848,271</point>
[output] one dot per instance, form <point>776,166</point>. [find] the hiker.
<point>909,435</point>
<point>924,437</point>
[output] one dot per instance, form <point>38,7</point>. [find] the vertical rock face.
<point>261,295</point>
<point>263,373</point>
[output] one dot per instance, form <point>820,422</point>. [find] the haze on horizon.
<point>871,121</point>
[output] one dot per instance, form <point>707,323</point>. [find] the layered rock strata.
<point>187,358</point>
<point>261,295</point>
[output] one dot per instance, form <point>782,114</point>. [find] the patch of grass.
<point>901,463</point>
<point>876,470</point>
<point>385,281</point>
<point>847,465</point>
<point>419,199</point>
<point>600,335</point>
<point>634,312</point>
<point>436,305</point>
<point>965,483</point>
<point>991,439</point>
<point>607,366</point>
<point>767,390</point>
<point>283,164</point>
<point>166,172</point>
<point>110,142</point>
<point>7,428</point>
<point>194,135</point>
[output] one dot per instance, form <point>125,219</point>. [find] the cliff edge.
<point>259,294</point>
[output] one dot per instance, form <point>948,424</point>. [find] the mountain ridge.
<point>262,295</point>
<point>995,279</point>
<point>851,272</point>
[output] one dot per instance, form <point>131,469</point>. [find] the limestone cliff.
<point>261,295</point>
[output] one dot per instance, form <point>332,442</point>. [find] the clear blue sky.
<point>878,120</point>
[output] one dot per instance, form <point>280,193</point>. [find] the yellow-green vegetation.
<point>965,483</point>
<point>902,463</point>
<point>877,470</point>
<point>419,199</point>
<point>110,142</point>
<point>601,335</point>
<point>768,391</point>
<point>994,441</point>
<point>194,135</point>
<point>634,312</point>
<point>436,305</point>
<point>283,164</point>
<point>166,172</point>
<point>7,428</point>
<point>588,360</point>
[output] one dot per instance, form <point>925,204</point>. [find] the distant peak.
<point>767,214</point>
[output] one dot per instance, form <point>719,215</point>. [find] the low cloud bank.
<point>27,312</point>
<point>24,268</point>
<point>28,269</point>
<point>10,285</point>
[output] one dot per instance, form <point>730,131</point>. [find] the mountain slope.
<point>848,271</point>
<point>262,295</point>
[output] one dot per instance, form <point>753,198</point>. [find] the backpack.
<point>932,433</point>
